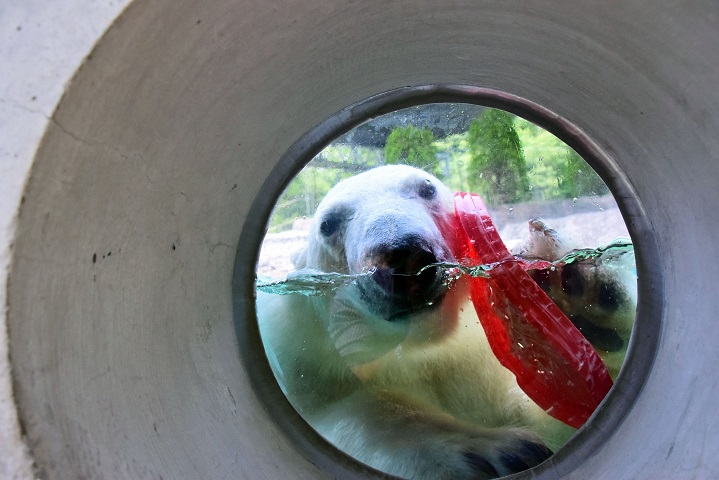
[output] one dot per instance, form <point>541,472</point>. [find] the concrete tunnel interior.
<point>130,286</point>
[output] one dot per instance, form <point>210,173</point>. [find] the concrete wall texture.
<point>41,46</point>
<point>128,366</point>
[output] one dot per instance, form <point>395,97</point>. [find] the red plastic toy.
<point>554,364</point>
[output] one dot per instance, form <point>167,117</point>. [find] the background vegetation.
<point>504,158</point>
<point>412,146</point>
<point>497,168</point>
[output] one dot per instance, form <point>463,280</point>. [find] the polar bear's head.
<point>392,221</point>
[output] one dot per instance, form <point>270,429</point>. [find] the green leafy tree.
<point>412,146</point>
<point>578,179</point>
<point>555,170</point>
<point>496,167</point>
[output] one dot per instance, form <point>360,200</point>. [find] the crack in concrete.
<point>219,244</point>
<point>16,104</point>
<point>83,141</point>
<point>53,120</point>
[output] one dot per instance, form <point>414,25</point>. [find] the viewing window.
<point>367,307</point>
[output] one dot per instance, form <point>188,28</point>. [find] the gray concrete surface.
<point>120,311</point>
<point>41,45</point>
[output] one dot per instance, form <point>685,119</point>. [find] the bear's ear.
<point>299,258</point>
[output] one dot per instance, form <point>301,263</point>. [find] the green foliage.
<point>504,158</point>
<point>412,146</point>
<point>453,154</point>
<point>578,179</point>
<point>555,170</point>
<point>497,169</point>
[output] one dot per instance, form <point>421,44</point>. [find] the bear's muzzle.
<point>405,278</point>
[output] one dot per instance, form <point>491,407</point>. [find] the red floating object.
<point>553,362</point>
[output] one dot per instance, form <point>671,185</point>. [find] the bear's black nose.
<point>406,273</point>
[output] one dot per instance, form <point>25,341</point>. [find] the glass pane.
<point>378,323</point>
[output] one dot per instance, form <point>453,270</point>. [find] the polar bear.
<point>394,369</point>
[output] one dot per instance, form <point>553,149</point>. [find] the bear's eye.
<point>331,223</point>
<point>427,190</point>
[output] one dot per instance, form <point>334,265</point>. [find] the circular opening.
<point>452,132</point>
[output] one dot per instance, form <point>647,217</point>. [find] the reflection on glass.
<point>364,299</point>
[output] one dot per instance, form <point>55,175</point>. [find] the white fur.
<point>413,397</point>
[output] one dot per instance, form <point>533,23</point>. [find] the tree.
<point>578,179</point>
<point>412,146</point>
<point>497,168</point>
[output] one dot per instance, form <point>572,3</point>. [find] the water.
<point>617,248</point>
<point>311,282</point>
<point>307,282</point>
